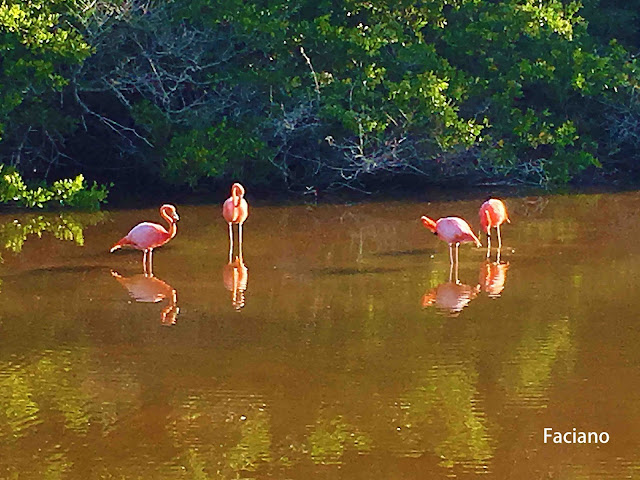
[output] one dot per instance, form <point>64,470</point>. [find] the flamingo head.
<point>169,211</point>
<point>429,223</point>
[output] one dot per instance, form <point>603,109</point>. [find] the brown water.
<point>348,355</point>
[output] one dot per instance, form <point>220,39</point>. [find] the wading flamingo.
<point>235,210</point>
<point>146,236</point>
<point>452,230</point>
<point>493,213</point>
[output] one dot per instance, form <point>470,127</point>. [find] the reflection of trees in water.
<point>441,415</point>
<point>332,435</point>
<point>57,391</point>
<point>63,226</point>
<point>527,377</point>
<point>224,433</point>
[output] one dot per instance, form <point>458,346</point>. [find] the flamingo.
<point>452,230</point>
<point>235,210</point>
<point>493,213</point>
<point>146,236</point>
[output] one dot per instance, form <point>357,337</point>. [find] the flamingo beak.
<point>175,216</point>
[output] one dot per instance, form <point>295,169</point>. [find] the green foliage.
<point>68,192</point>
<point>318,93</point>
<point>198,154</point>
<point>37,48</point>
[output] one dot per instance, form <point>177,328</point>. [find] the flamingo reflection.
<point>235,276</point>
<point>452,296</point>
<point>146,288</point>
<point>493,275</point>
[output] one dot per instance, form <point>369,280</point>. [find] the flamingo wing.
<point>455,230</point>
<point>148,235</point>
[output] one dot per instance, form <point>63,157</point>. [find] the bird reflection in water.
<point>493,276</point>
<point>235,276</point>
<point>146,288</point>
<point>452,296</point>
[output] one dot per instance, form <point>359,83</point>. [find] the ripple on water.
<point>20,413</point>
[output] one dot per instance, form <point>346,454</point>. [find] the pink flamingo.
<point>452,230</point>
<point>146,236</point>
<point>235,210</point>
<point>493,213</point>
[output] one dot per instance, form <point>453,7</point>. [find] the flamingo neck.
<point>429,223</point>
<point>237,192</point>
<point>487,221</point>
<point>173,228</point>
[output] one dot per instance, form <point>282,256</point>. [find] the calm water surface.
<point>342,351</point>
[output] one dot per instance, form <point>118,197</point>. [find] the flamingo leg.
<point>456,272</point>
<point>240,240</point>
<point>450,271</point>
<point>488,243</point>
<point>230,241</point>
<point>451,253</point>
<point>499,239</point>
<point>498,256</point>
<point>144,262</point>
<point>151,262</point>
<point>457,245</point>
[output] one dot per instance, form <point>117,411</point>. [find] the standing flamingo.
<point>452,230</point>
<point>235,209</point>
<point>146,236</point>
<point>493,213</point>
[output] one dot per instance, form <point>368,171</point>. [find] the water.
<point>341,350</point>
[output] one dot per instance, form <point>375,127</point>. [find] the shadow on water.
<point>402,253</point>
<point>354,271</point>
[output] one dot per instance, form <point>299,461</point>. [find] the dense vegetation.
<point>191,93</point>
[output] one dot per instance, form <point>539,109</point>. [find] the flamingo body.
<point>235,210</point>
<point>493,213</point>
<point>453,230</point>
<point>146,235</point>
